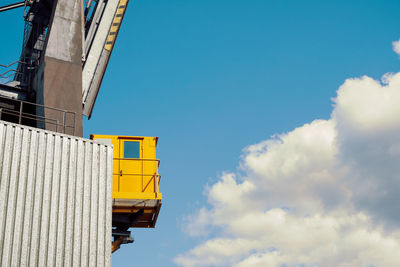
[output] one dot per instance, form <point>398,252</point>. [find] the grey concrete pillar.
<point>59,80</point>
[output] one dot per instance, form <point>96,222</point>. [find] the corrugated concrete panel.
<point>55,199</point>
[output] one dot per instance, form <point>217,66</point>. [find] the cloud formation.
<point>324,194</point>
<point>396,47</point>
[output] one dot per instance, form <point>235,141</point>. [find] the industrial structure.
<point>43,95</point>
<point>55,199</point>
<point>135,178</point>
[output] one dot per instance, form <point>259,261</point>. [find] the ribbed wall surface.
<point>55,199</point>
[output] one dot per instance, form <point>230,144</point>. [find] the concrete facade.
<point>59,80</point>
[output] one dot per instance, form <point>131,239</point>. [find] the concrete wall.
<point>59,85</point>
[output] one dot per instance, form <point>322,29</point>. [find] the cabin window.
<point>131,150</point>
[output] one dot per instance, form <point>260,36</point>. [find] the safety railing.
<point>9,71</point>
<point>23,112</point>
<point>154,176</point>
<point>12,6</point>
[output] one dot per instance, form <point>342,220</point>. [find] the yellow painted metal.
<point>116,24</point>
<point>134,178</point>
<point>116,245</point>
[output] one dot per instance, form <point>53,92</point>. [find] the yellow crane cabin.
<point>135,193</point>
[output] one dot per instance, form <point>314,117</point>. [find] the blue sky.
<point>213,77</point>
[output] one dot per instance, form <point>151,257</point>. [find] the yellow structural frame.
<point>116,24</point>
<point>134,178</point>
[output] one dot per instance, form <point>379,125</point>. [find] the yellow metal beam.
<point>116,245</point>
<point>116,24</point>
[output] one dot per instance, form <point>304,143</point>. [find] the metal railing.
<point>152,176</point>
<point>63,121</point>
<point>8,71</point>
<point>12,6</point>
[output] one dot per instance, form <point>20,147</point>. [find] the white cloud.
<point>367,115</point>
<point>277,237</point>
<point>324,194</point>
<point>396,47</point>
<point>365,105</point>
